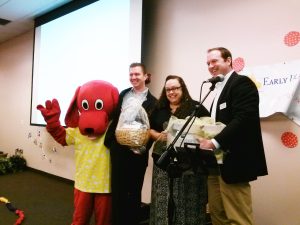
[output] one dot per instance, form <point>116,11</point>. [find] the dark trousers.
<point>128,170</point>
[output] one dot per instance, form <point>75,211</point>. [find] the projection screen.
<point>97,41</point>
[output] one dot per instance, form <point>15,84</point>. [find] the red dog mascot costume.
<point>87,120</point>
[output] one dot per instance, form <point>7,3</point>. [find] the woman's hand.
<point>162,136</point>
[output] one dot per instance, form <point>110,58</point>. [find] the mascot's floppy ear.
<point>72,116</point>
<point>115,97</point>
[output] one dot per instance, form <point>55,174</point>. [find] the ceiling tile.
<point>22,14</point>
<point>19,9</point>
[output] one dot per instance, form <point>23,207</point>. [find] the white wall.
<point>276,196</point>
<point>15,97</point>
<point>178,33</point>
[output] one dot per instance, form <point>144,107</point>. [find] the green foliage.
<point>18,163</point>
<point>5,166</point>
<point>12,164</point>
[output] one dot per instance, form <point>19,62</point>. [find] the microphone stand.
<point>170,151</point>
<point>170,154</point>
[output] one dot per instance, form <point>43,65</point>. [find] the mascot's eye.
<point>85,104</point>
<point>99,104</point>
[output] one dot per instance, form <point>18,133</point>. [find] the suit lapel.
<point>227,86</point>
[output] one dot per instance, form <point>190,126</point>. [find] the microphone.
<point>215,79</point>
<point>164,159</point>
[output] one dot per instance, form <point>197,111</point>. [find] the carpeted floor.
<point>45,199</point>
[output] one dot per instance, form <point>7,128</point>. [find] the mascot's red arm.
<point>51,113</point>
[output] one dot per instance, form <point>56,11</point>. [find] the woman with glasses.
<point>189,191</point>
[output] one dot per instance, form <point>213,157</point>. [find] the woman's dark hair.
<point>163,100</point>
<point>225,53</point>
<point>136,64</point>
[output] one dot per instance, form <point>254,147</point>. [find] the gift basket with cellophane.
<point>204,127</point>
<point>133,127</point>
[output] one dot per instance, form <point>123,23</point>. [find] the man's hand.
<point>206,144</point>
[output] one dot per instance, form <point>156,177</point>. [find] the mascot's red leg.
<point>83,207</point>
<point>86,203</point>
<point>102,209</point>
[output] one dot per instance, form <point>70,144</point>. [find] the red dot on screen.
<point>292,38</point>
<point>289,139</point>
<point>238,64</point>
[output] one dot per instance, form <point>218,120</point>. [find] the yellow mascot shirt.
<point>92,162</point>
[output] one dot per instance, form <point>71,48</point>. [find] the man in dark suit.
<point>237,106</point>
<point>128,166</point>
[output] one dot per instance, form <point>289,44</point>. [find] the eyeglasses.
<point>168,90</point>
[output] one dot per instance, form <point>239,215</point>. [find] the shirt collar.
<point>139,93</point>
<point>220,85</point>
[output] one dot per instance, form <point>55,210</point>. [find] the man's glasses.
<point>168,90</point>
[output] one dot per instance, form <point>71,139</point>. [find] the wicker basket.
<point>132,137</point>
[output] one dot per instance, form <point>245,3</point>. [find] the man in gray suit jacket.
<point>237,106</point>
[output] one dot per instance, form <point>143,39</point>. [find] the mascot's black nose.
<point>89,131</point>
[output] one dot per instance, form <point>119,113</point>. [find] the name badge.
<point>223,106</point>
